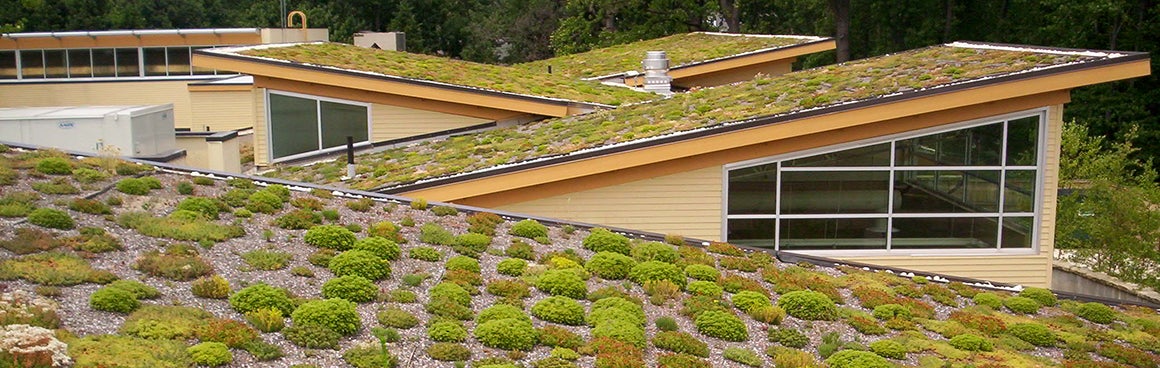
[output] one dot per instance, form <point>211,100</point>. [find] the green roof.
<point>682,49</point>
<point>860,80</point>
<point>425,69</point>
<point>925,315</point>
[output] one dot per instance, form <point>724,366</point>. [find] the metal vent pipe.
<point>656,73</point>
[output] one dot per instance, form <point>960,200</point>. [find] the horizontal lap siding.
<point>102,93</point>
<point>222,110</point>
<point>1029,270</point>
<point>687,203</point>
<point>261,145</point>
<point>393,122</point>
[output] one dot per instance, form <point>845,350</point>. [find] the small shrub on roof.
<point>808,305</point>
<point>432,233</point>
<point>428,254</point>
<point>681,342</point>
<point>888,349</point>
<point>722,325</point>
<point>330,237</point>
<point>602,240</point>
<point>620,330</point>
<point>529,228</point>
<point>1034,333</point>
<point>1096,312</point>
<point>1022,305</point>
<point>111,299</point>
<point>51,218</point>
<point>264,202</point>
<point>789,337</point>
<point>1043,296</point>
<point>702,272</point>
<point>988,299</point>
<point>511,267</point>
<point>556,336</point>
<point>748,300</point>
<point>705,288</point>
<point>463,263</point>
<point>610,265</point>
<point>857,359</point>
<point>657,271</point>
<point>559,309</point>
<point>338,315</point>
<point>506,334</point>
<point>380,246</point>
<point>726,249</point>
<point>360,263</point>
<point>743,356</point>
<point>397,318</point>
<point>616,308</point>
<point>353,288</point>
<point>655,251</point>
<point>969,342</point>
<point>89,206</point>
<point>260,296</point>
<point>205,206</point>
<point>891,311</point>
<point>562,282</point>
<point>54,166</point>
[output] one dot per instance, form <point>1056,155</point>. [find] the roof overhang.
<point>130,38</point>
<point>387,85</point>
<point>762,130</point>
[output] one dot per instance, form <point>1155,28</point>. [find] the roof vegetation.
<point>454,72</point>
<point>682,49</point>
<point>780,313</point>
<point>705,108</point>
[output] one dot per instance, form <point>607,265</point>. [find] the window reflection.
<point>959,189</point>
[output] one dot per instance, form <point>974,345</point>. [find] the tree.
<point>1110,221</point>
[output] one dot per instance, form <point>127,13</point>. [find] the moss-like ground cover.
<point>450,71</point>
<point>682,49</point>
<point>864,316</point>
<point>905,72</point>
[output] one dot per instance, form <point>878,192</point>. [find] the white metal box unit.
<point>140,131</point>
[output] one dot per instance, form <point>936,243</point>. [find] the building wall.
<point>387,122</point>
<point>393,122</point>
<point>221,110</point>
<point>102,93</point>
<point>687,203</point>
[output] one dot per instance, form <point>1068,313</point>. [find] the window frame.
<point>893,168</point>
<point>116,65</point>
<point>318,123</point>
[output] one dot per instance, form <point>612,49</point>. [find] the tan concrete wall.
<point>261,136</point>
<point>102,93</point>
<point>212,155</point>
<point>1030,270</point>
<point>687,203</point>
<point>221,110</point>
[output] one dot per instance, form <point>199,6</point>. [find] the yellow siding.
<point>1030,270</point>
<point>261,146</point>
<point>687,203</point>
<point>102,93</point>
<point>393,122</point>
<point>222,110</point>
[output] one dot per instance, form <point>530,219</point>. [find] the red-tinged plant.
<point>986,324</point>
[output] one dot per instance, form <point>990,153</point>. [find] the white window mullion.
<point>777,209</point>
<point>318,118</point>
<point>890,202</point>
<point>1002,185</point>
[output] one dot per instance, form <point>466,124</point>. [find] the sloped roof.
<point>880,79</point>
<point>434,70</point>
<point>683,50</point>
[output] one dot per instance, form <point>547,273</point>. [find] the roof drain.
<point>656,73</point>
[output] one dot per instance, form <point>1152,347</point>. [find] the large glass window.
<point>301,124</point>
<point>972,187</point>
<point>80,63</point>
<point>8,65</point>
<point>104,63</point>
<point>32,64</point>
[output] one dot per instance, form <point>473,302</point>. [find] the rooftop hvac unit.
<point>139,131</point>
